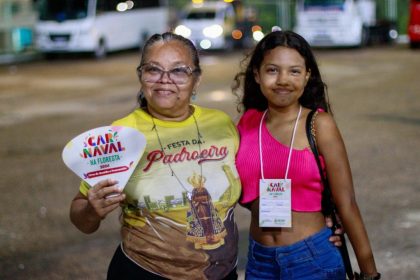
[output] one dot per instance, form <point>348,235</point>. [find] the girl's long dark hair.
<point>315,93</point>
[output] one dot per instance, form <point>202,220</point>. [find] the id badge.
<point>275,203</point>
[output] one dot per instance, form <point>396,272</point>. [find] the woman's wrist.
<point>365,276</point>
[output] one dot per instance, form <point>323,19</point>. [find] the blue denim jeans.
<point>312,258</point>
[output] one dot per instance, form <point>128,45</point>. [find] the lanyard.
<point>291,143</point>
<point>189,193</point>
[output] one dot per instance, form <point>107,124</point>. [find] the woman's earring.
<point>140,95</point>
<point>194,95</point>
<point>141,99</point>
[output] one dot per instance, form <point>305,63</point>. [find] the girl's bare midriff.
<point>304,224</point>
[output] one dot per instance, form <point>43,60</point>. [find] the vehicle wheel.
<point>50,56</point>
<point>414,45</point>
<point>365,40</point>
<point>100,51</point>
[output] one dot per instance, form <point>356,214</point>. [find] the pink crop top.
<point>303,171</point>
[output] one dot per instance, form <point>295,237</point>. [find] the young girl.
<point>280,178</point>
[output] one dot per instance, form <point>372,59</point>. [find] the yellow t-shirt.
<point>178,215</point>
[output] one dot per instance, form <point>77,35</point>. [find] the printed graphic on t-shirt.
<point>186,177</point>
<point>180,198</point>
<point>200,184</point>
<point>205,228</point>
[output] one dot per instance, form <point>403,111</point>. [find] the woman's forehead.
<point>169,53</point>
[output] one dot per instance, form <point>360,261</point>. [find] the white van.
<point>208,25</point>
<point>98,26</point>
<point>344,23</point>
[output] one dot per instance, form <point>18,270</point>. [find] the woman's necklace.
<point>191,110</point>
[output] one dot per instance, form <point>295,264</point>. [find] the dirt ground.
<point>375,93</point>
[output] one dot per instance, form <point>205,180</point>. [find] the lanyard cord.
<point>189,194</point>
<point>164,154</point>
<point>291,143</point>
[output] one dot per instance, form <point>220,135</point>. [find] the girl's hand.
<point>335,238</point>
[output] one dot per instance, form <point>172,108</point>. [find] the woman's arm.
<point>331,147</point>
<point>86,212</point>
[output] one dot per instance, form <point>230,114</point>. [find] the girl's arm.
<point>332,148</point>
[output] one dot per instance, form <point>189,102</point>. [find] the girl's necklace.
<point>164,154</point>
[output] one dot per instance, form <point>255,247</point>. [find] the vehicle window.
<point>201,15</point>
<point>62,10</point>
<point>324,2</point>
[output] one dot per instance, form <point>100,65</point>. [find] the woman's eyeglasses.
<point>151,73</point>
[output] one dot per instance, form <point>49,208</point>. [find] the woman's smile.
<point>163,91</point>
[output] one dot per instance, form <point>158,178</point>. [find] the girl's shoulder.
<point>323,119</point>
<point>250,116</point>
<point>325,127</point>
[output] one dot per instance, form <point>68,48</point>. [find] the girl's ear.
<point>256,76</point>
<point>308,75</point>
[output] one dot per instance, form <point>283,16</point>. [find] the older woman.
<point>177,208</point>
